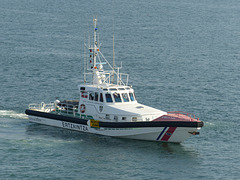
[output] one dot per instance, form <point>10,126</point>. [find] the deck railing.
<point>52,107</point>
<point>43,107</point>
<point>67,109</point>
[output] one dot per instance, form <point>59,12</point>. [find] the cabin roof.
<point>106,87</point>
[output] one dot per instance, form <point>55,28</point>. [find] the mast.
<point>99,76</point>
<point>96,75</point>
<point>95,43</point>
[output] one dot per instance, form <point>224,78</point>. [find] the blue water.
<point>180,55</point>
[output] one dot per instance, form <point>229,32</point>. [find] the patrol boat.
<point>107,106</point>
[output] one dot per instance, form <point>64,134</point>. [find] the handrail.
<point>108,75</point>
<point>42,107</point>
<point>66,108</point>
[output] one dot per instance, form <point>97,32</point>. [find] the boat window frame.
<point>96,97</point>
<point>91,95</point>
<point>107,99</point>
<point>101,97</point>
<point>112,89</point>
<point>118,97</point>
<point>125,100</point>
<point>133,96</point>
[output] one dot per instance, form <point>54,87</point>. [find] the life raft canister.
<point>82,108</point>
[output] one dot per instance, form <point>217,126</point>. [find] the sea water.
<point>180,55</point>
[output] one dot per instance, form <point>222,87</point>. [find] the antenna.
<point>85,61</point>
<point>113,46</point>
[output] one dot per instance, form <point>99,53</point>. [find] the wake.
<point>12,114</point>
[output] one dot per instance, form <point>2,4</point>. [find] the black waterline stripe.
<point>116,124</point>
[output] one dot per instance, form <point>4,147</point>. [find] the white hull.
<point>160,134</point>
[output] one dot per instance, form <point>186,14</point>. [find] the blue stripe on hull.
<point>161,133</point>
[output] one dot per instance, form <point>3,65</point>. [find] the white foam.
<point>208,124</point>
<point>12,114</point>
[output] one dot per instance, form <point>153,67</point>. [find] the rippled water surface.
<point>180,55</point>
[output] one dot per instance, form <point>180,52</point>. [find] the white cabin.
<point>114,104</point>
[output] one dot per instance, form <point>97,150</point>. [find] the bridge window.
<point>113,89</point>
<point>101,97</point>
<point>96,96</point>
<point>125,97</point>
<point>131,96</point>
<point>108,98</point>
<point>91,95</point>
<point>117,97</point>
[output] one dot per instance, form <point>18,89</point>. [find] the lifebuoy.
<point>82,108</point>
<point>84,94</point>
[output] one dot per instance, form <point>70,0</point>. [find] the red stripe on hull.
<point>168,134</point>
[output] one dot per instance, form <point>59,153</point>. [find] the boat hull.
<point>150,131</point>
